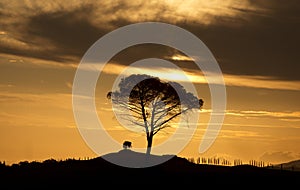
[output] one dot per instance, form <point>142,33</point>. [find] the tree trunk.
<point>149,143</point>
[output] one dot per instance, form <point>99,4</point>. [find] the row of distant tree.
<point>225,162</point>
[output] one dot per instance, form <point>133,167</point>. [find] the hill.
<point>292,165</point>
<point>175,171</point>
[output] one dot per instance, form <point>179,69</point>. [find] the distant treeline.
<point>225,162</point>
<point>47,161</point>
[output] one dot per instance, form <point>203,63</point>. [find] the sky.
<point>255,43</point>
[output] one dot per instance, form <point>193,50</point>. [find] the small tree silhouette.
<point>152,103</point>
<point>127,144</point>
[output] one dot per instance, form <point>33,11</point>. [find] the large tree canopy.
<point>152,102</point>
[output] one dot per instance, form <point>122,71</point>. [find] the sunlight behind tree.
<point>152,103</point>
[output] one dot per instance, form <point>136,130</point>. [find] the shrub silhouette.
<point>127,144</point>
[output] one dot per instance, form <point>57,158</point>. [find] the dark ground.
<point>176,172</point>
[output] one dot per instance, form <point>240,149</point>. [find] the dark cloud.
<point>262,40</point>
<point>258,42</point>
<point>263,43</point>
<point>57,35</point>
<point>70,32</point>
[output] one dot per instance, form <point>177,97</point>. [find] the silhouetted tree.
<point>152,102</point>
<point>127,144</point>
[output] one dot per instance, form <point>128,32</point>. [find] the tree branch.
<point>172,117</point>
<point>157,130</point>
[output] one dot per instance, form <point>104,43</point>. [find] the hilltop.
<point>292,165</point>
<point>175,170</point>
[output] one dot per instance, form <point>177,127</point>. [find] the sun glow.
<point>178,57</point>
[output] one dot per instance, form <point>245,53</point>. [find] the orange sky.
<point>254,42</point>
